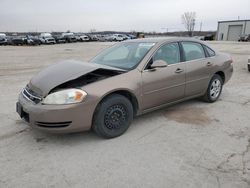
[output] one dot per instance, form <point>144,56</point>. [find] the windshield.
<point>124,55</point>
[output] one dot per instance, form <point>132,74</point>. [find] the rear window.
<point>193,50</point>
<point>210,52</point>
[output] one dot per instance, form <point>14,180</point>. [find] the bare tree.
<point>188,19</point>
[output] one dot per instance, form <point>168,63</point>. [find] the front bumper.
<point>56,118</point>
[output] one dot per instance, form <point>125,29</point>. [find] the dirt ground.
<point>192,144</point>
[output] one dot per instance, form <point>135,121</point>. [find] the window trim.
<point>182,53</point>
<point>207,53</point>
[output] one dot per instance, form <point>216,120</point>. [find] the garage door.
<point>234,31</point>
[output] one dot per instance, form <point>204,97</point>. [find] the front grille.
<point>54,124</point>
<point>31,95</point>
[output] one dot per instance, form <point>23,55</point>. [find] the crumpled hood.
<point>59,73</point>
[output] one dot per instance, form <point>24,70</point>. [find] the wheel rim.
<point>115,117</point>
<point>215,89</point>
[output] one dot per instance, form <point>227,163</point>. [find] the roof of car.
<point>164,39</point>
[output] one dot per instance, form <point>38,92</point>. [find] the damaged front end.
<point>66,75</point>
<point>89,78</point>
<point>53,99</point>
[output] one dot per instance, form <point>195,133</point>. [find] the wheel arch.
<point>222,75</point>
<point>126,93</point>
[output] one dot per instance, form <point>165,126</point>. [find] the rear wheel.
<point>113,116</point>
<point>214,89</point>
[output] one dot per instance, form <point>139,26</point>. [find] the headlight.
<point>67,96</point>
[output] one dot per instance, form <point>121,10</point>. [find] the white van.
<point>3,39</point>
<point>46,38</point>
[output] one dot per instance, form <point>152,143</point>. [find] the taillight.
<point>231,60</point>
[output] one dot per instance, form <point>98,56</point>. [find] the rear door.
<point>198,68</point>
<point>164,85</point>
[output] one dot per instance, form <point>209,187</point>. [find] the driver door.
<point>166,84</point>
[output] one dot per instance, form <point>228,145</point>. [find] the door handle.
<point>179,70</point>
<point>209,63</point>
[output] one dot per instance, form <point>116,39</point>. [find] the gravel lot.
<point>192,144</point>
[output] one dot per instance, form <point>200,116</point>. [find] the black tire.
<point>214,89</point>
<point>113,116</point>
<point>248,67</point>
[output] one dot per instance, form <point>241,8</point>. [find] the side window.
<point>169,53</point>
<point>193,50</point>
<point>210,52</point>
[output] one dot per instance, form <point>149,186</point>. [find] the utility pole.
<point>165,28</point>
<point>200,27</point>
<point>192,27</point>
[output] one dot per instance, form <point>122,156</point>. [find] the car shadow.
<point>91,137</point>
<point>193,103</point>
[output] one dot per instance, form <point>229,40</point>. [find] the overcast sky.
<point>119,15</point>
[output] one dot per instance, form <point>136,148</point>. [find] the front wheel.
<point>214,89</point>
<point>113,116</point>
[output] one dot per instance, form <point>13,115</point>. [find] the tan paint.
<point>152,89</point>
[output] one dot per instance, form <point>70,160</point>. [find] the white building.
<point>232,30</point>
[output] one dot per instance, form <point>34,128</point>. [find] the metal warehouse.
<point>232,30</point>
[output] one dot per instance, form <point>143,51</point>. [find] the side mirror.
<point>159,64</point>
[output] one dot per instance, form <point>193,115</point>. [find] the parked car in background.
<point>199,37</point>
<point>45,35</point>
<point>131,36</point>
<point>3,39</point>
<point>109,37</point>
<point>32,40</point>
<point>69,37</point>
<point>128,79</point>
<point>101,38</point>
<point>244,38</point>
<point>59,39</point>
<point>77,36</point>
<point>18,40</point>
<point>209,37</point>
<point>83,38</point>
<point>117,37</point>
<point>125,37</point>
<point>248,38</point>
<point>9,40</point>
<point>46,38</point>
<point>92,37</point>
